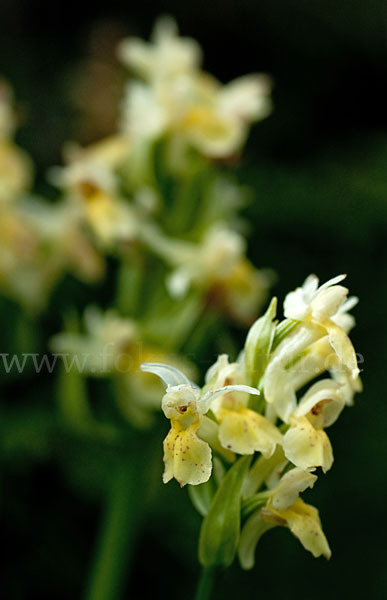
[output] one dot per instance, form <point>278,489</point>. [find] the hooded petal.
<point>307,447</point>
<point>246,432</point>
<point>169,375</point>
<point>187,458</point>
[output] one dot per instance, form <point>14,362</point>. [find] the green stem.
<point>112,558</point>
<point>130,280</point>
<point>206,583</point>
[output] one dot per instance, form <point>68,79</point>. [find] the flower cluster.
<point>290,383</point>
<point>151,189</point>
<point>152,185</point>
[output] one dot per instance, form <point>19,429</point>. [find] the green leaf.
<point>219,535</point>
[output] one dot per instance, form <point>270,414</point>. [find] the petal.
<point>342,345</point>
<point>169,375</point>
<point>307,447</point>
<point>296,304</point>
<point>344,321</point>
<point>246,432</point>
<point>246,97</point>
<point>208,397</point>
<point>333,281</point>
<point>327,302</point>
<point>310,286</point>
<point>278,382</point>
<point>349,304</point>
<point>143,116</point>
<point>304,522</point>
<point>135,54</point>
<point>186,457</point>
<point>349,386</point>
<point>290,486</point>
<point>216,370</point>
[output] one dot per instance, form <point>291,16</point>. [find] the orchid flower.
<point>187,458</point>
<point>284,507</point>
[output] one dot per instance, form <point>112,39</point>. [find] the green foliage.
<point>220,530</point>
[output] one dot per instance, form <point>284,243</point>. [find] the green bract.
<point>220,530</point>
<point>258,344</point>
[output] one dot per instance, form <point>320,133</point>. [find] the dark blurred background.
<point>318,168</point>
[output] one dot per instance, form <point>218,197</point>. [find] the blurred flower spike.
<point>282,431</point>
<point>174,96</point>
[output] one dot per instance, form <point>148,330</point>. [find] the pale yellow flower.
<point>321,314</point>
<point>325,306</point>
<point>179,99</point>
<point>284,507</point>
<point>304,522</point>
<point>187,458</point>
<point>217,266</point>
<point>241,429</point>
<point>91,184</point>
